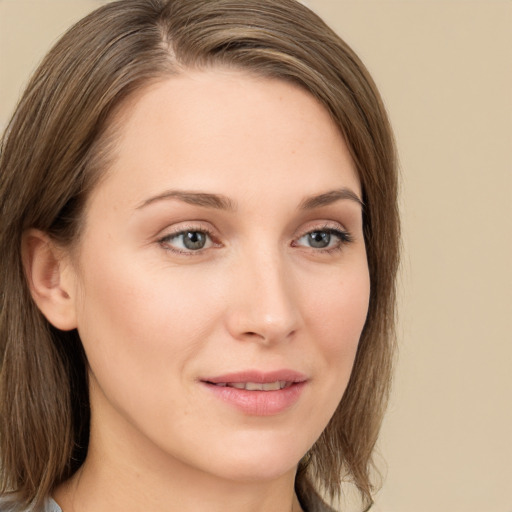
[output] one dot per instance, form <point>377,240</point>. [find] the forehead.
<point>219,129</point>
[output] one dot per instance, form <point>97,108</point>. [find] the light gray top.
<point>51,506</point>
<point>7,505</point>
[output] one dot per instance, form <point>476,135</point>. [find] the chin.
<point>261,460</point>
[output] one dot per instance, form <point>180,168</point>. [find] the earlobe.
<point>49,279</point>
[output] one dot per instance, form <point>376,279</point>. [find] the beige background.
<point>444,68</point>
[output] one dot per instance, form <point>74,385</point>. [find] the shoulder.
<point>9,504</point>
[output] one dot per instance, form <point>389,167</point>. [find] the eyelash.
<point>164,241</point>
<point>344,238</point>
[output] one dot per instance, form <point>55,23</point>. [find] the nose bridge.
<point>264,305</point>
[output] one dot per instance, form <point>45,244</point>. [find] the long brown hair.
<point>53,153</point>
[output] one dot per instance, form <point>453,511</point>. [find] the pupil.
<point>194,240</point>
<point>319,239</point>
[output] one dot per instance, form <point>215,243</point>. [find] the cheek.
<point>138,321</point>
<point>340,307</point>
<point>337,315</point>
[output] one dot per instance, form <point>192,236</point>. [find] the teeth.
<point>257,386</point>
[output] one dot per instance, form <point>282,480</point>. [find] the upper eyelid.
<point>183,227</point>
<point>324,225</point>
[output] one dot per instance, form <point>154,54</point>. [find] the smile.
<point>256,386</point>
<point>256,393</point>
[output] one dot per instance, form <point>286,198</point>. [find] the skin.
<point>156,317</point>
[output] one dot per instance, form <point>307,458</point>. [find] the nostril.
<point>253,334</point>
<point>268,337</point>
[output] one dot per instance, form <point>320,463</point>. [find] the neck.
<point>89,491</point>
<point>117,477</point>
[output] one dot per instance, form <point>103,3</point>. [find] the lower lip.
<point>259,403</point>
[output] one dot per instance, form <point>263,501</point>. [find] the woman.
<point>199,244</point>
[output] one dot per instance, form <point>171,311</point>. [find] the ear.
<point>51,279</point>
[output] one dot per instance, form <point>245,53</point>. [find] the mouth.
<point>256,380</point>
<point>258,393</point>
<point>255,386</point>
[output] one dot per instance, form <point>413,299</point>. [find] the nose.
<point>264,305</point>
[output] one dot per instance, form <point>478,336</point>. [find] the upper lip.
<point>257,376</point>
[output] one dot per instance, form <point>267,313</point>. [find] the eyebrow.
<point>220,202</point>
<point>216,201</point>
<point>328,198</point>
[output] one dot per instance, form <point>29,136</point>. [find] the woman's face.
<point>221,282</point>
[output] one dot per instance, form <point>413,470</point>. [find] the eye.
<point>187,241</point>
<point>327,238</point>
